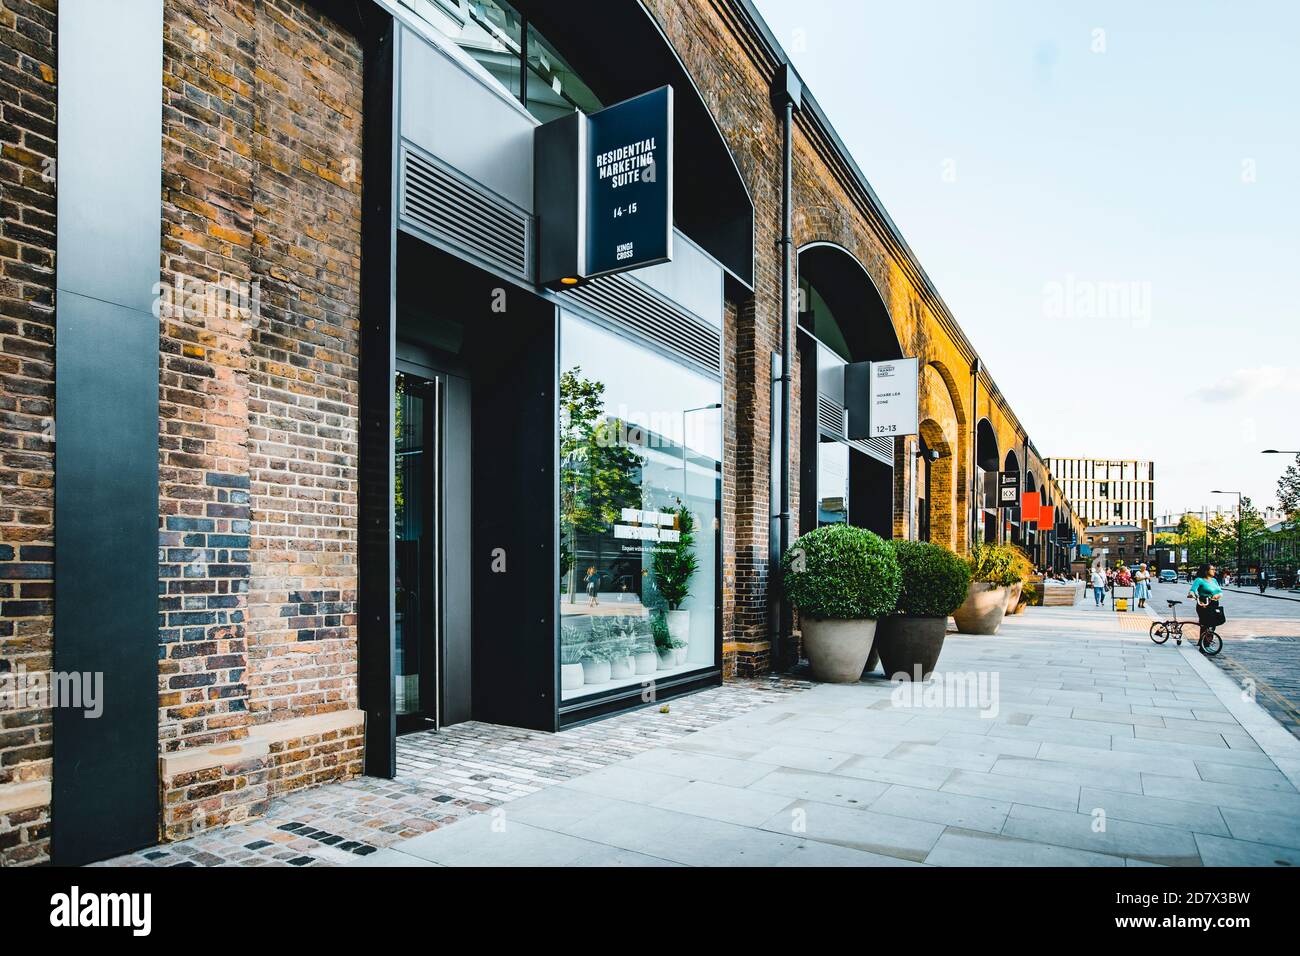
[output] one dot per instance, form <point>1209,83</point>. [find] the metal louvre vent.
<point>881,449</point>
<point>830,417</point>
<point>831,420</point>
<point>632,306</point>
<point>436,200</point>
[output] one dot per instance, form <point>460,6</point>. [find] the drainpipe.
<point>787,96</point>
<point>974,450</point>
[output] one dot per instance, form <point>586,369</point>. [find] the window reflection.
<point>640,451</point>
<point>499,37</point>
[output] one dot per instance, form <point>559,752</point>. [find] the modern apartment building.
<point>1109,491</point>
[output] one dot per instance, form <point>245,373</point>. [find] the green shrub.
<point>841,572</point>
<point>1001,564</point>
<point>934,580</point>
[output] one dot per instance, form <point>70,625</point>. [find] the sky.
<point>1107,196</point>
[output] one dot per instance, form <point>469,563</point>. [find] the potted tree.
<point>994,569</point>
<point>644,658</point>
<point>597,653</point>
<point>572,646</point>
<point>621,641</point>
<point>842,579</point>
<point>674,565</point>
<point>934,584</point>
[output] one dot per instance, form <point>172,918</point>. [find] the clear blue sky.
<point>1029,159</point>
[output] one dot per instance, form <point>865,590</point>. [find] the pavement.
<point>1067,739</point>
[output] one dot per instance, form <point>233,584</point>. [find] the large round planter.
<point>1013,597</point>
<point>983,609</point>
<point>595,672</point>
<point>907,644</point>
<point>621,668</point>
<point>571,676</point>
<point>679,625</point>
<point>667,659</point>
<point>838,650</point>
<point>646,662</point>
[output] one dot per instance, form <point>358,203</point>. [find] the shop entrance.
<point>417,550</point>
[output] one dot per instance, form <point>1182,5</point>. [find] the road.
<point>1261,646</point>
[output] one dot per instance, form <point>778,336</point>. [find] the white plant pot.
<point>838,650</point>
<point>622,667</point>
<point>571,677</point>
<point>680,653</point>
<point>646,662</point>
<point>595,672</point>
<point>679,625</point>
<point>667,659</point>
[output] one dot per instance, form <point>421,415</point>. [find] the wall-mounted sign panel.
<point>893,408</point>
<point>629,179</point>
<point>603,190</point>
<point>1009,489</point>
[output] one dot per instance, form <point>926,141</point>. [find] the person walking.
<point>1208,594</point>
<point>1263,580</point>
<point>1098,586</point>
<point>1142,585</point>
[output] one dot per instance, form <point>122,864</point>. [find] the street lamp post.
<point>1216,491</point>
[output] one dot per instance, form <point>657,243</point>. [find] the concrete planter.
<point>907,643</point>
<point>646,662</point>
<point>621,668</point>
<point>983,609</point>
<point>571,676</point>
<point>594,671</point>
<point>838,650</point>
<point>1013,598</point>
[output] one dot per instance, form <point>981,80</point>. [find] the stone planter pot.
<point>838,650</point>
<point>907,643</point>
<point>594,672</point>
<point>1013,598</point>
<point>645,662</point>
<point>571,676</point>
<point>667,659</point>
<point>983,609</point>
<point>621,668</point>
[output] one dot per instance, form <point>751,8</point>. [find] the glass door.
<point>418,552</point>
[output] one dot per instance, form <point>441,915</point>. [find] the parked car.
<point>1168,576</point>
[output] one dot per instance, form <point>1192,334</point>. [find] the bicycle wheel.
<point>1210,643</point>
<point>1159,633</point>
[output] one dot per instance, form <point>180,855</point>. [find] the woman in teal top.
<point>1207,592</point>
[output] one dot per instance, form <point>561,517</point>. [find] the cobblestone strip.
<point>450,774</point>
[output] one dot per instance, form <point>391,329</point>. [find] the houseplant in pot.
<point>597,653</point>
<point>934,584</point>
<point>572,644</point>
<point>674,565</point>
<point>1024,570</point>
<point>994,568</point>
<point>842,579</point>
<point>644,658</point>
<point>621,641</point>
<point>666,646</point>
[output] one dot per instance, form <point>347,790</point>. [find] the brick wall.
<point>27,211</point>
<point>258,410</point>
<point>303,413</point>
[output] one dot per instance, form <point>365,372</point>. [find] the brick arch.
<point>941,431</point>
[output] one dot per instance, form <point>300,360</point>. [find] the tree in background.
<point>599,473</point>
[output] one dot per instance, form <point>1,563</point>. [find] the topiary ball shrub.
<point>840,572</point>
<point>1000,564</point>
<point>934,580</point>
